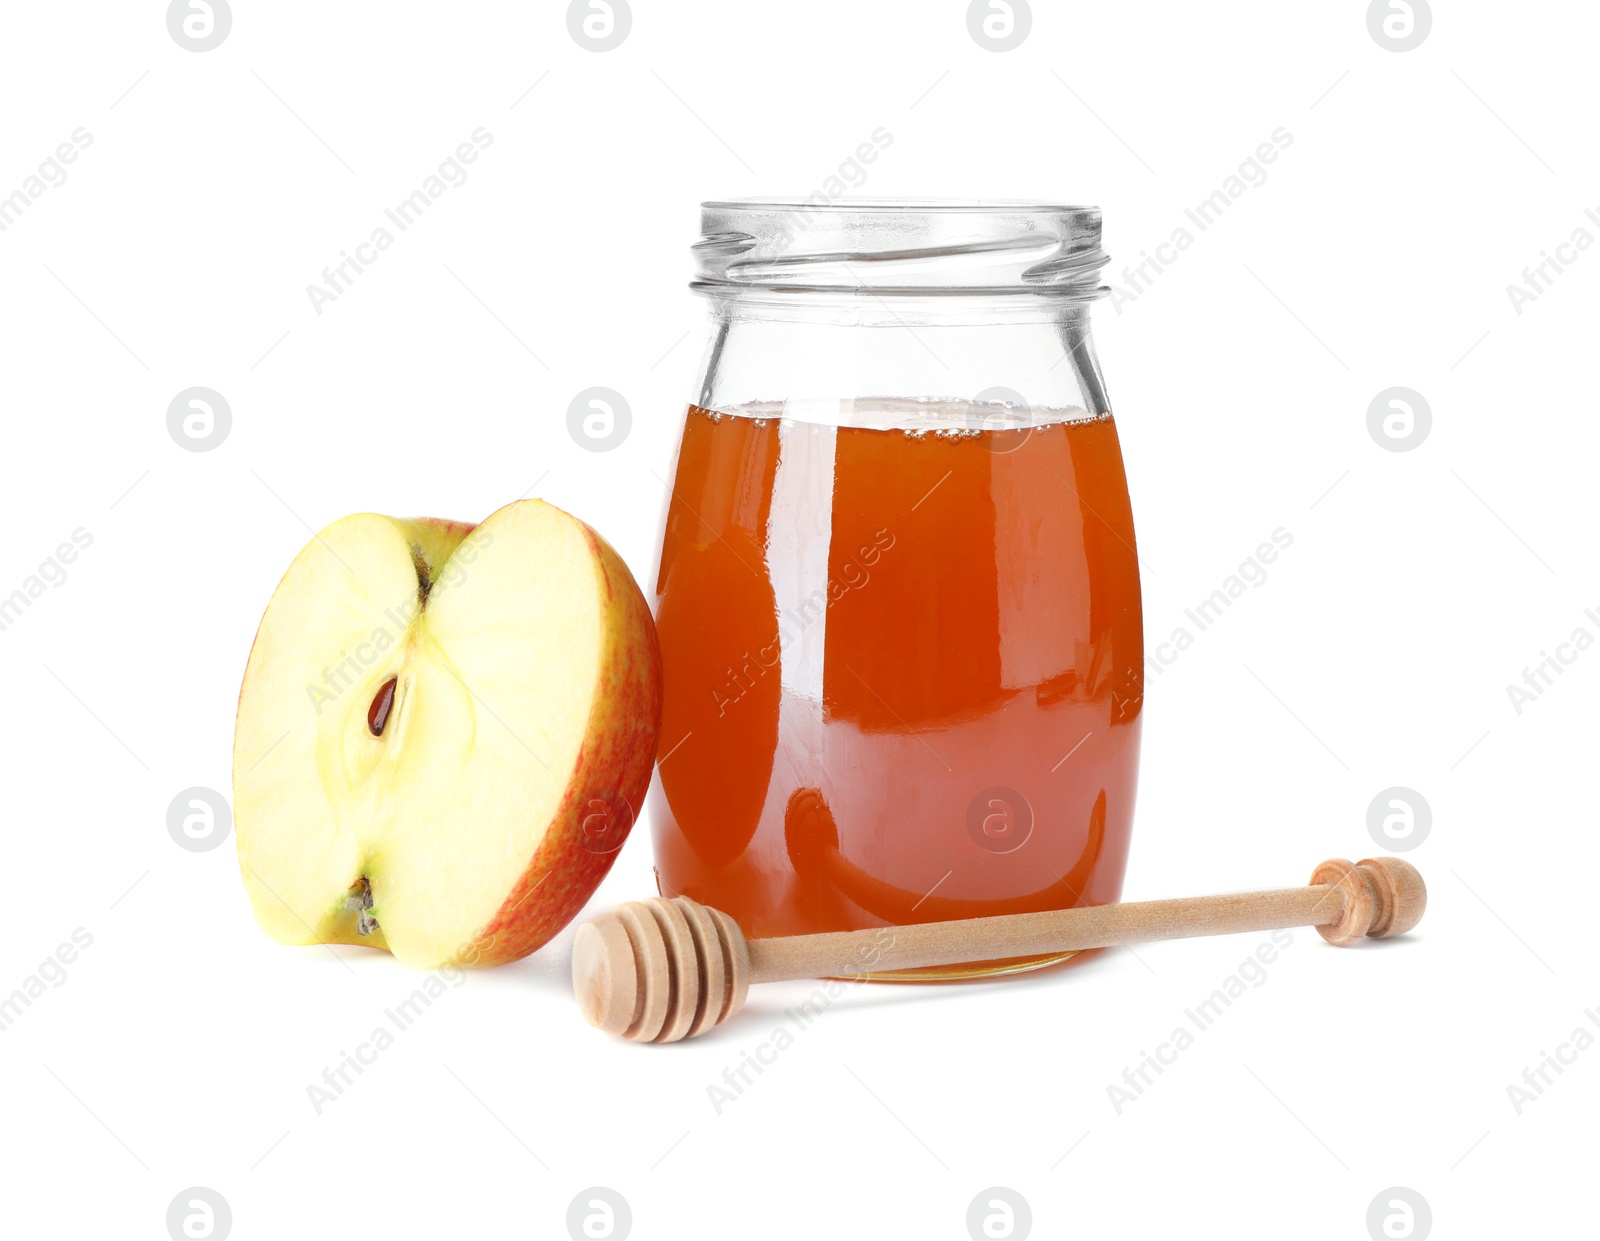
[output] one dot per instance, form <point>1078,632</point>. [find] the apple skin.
<point>603,792</point>
<point>607,786</point>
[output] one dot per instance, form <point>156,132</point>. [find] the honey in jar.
<point>898,601</point>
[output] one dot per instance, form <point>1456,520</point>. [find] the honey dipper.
<point>659,970</point>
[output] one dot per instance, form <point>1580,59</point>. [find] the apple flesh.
<point>443,734</point>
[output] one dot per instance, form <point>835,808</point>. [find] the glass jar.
<point>897,595</point>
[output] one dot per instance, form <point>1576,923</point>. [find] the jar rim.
<point>1002,206</point>
<point>899,246</point>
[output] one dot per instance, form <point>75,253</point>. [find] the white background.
<point>1377,253</point>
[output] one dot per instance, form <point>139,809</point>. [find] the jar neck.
<point>818,356</point>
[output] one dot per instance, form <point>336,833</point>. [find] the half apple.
<point>443,734</point>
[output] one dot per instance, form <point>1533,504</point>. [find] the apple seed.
<point>382,703</point>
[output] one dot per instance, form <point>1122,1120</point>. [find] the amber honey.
<point>903,669</point>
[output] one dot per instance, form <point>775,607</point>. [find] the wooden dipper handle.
<point>661,970</point>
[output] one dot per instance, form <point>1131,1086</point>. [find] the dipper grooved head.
<point>659,970</point>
